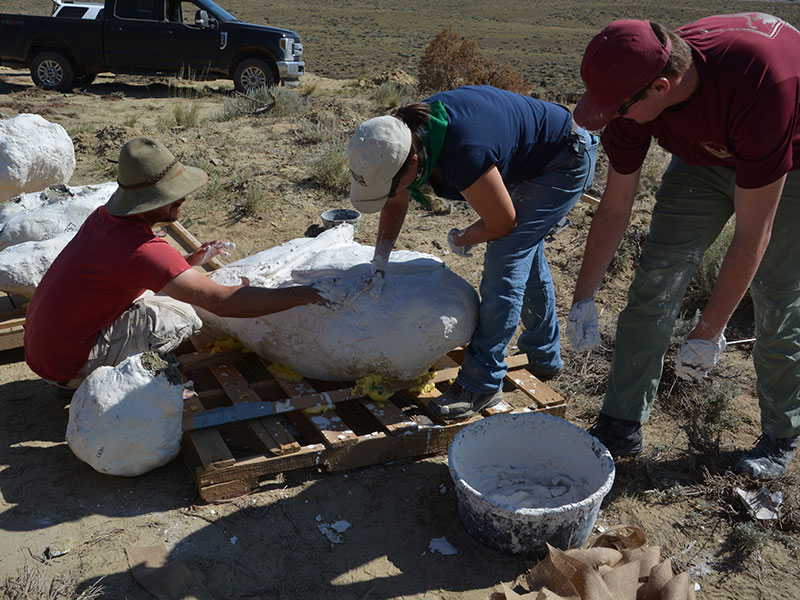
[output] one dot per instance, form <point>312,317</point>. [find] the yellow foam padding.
<point>376,387</point>
<point>316,409</point>
<point>226,345</point>
<point>284,372</point>
<point>424,383</point>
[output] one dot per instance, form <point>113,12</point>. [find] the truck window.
<point>72,12</point>
<point>135,9</point>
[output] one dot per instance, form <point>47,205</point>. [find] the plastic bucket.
<point>510,472</point>
<point>337,216</point>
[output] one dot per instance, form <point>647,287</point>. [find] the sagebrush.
<point>451,61</point>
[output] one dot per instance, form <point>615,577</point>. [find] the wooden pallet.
<point>12,320</point>
<point>343,431</point>
<point>12,306</point>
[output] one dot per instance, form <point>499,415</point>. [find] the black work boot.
<point>621,437</point>
<point>457,403</point>
<point>770,458</point>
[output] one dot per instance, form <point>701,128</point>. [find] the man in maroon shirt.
<point>723,96</point>
<point>88,310</point>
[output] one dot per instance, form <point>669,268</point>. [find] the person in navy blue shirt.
<point>521,164</point>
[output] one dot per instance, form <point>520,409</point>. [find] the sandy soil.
<point>270,544</point>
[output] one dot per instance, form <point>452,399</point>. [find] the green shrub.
<point>273,100</point>
<point>451,61</point>
<point>329,167</point>
<point>183,115</point>
<point>708,411</point>
<point>255,200</point>
<point>391,94</point>
<point>705,278</point>
<point>321,128</point>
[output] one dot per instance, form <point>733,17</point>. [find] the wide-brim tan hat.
<point>149,176</point>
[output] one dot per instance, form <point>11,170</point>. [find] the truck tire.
<point>52,71</point>
<point>251,74</point>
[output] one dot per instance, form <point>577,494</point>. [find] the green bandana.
<point>433,140</point>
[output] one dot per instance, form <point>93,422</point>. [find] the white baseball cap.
<point>375,153</point>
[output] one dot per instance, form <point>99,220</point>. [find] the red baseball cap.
<point>620,61</point>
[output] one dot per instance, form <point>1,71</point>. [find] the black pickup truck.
<point>191,38</point>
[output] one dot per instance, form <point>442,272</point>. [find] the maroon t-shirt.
<point>745,113</point>
<point>109,263</point>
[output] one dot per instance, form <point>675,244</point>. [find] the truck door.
<point>132,36</point>
<point>187,42</point>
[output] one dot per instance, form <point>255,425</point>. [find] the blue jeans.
<point>516,277</point>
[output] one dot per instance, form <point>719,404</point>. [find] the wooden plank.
<point>211,449</point>
<point>12,323</point>
<point>542,394</point>
<point>205,358</point>
<point>11,337</point>
<point>383,448</point>
<point>327,423</point>
<point>387,414</point>
<point>268,431</point>
<point>190,243</point>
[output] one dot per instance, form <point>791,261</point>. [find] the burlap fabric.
<point>618,566</point>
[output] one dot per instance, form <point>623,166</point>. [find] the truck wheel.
<point>251,74</point>
<point>52,71</point>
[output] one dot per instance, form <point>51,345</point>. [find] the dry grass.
<point>36,582</point>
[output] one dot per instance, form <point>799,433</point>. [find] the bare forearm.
<point>251,301</point>
<point>604,238</point>
<point>605,234</point>
<point>391,222</point>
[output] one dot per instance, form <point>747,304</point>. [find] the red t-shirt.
<point>109,263</point>
<point>745,113</point>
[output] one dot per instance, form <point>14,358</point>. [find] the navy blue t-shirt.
<point>489,126</point>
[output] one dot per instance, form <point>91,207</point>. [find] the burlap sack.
<point>618,566</point>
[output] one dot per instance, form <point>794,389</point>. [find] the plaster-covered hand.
<point>331,290</point>
<point>696,358</point>
<point>583,330</point>
<point>209,250</point>
<point>463,251</point>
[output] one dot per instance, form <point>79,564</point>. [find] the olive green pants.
<point>692,206</point>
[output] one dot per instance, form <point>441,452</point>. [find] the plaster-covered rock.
<point>125,420</point>
<point>34,153</point>
<point>22,266</point>
<point>46,214</point>
<point>34,228</point>
<point>424,310</point>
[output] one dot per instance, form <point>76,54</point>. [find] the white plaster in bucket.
<point>528,479</point>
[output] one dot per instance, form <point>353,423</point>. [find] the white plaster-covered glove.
<point>697,357</point>
<point>583,330</point>
<point>462,251</point>
<point>209,250</point>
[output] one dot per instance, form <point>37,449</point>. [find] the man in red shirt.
<point>723,96</point>
<point>88,310</point>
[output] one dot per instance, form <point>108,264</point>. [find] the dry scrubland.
<point>272,174</point>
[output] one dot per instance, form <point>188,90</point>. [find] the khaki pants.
<point>153,322</point>
<point>692,206</point>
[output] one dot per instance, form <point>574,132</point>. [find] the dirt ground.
<point>60,519</point>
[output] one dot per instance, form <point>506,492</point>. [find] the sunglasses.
<point>623,110</point>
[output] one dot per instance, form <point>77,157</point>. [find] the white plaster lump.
<point>35,227</point>
<point>424,310</point>
<point>125,421</point>
<point>34,154</point>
